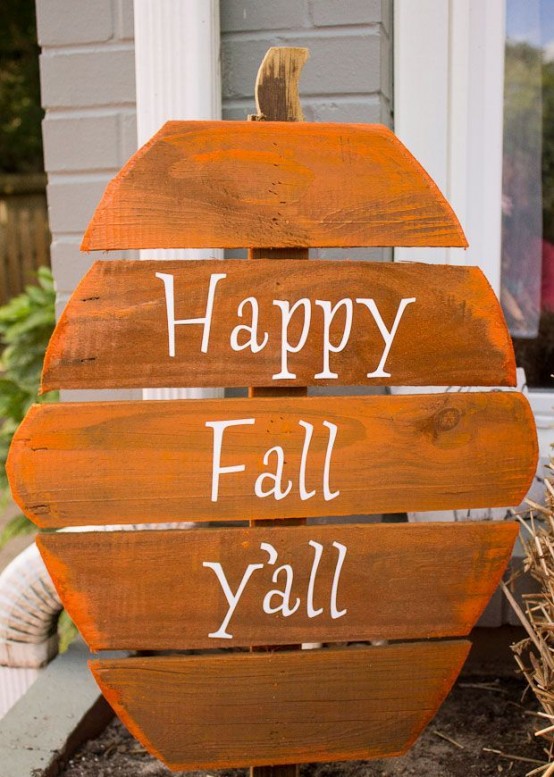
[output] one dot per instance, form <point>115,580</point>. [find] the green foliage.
<point>67,631</point>
<point>529,82</point>
<point>20,110</point>
<point>26,323</point>
<point>17,526</point>
<point>548,148</point>
<point>522,100</point>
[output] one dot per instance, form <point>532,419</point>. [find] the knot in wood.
<point>447,419</point>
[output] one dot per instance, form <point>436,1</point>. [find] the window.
<point>450,111</point>
<point>527,267</point>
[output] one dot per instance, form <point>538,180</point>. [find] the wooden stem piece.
<point>276,91</point>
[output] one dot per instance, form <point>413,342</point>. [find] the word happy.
<point>247,335</point>
<point>280,600</point>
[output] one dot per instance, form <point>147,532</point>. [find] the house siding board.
<point>251,15</point>
<point>68,262</point>
<point>81,142</point>
<point>83,195</point>
<point>102,75</point>
<point>89,130</point>
<point>124,20</point>
<point>61,23</point>
<point>370,110</point>
<point>331,13</point>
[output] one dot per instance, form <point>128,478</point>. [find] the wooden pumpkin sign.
<point>277,325</point>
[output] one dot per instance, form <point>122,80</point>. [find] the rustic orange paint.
<point>199,184</point>
<point>272,708</point>
<point>132,462</point>
<point>114,331</point>
<point>277,189</point>
<point>393,583</point>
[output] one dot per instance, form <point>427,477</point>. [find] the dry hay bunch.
<point>535,654</point>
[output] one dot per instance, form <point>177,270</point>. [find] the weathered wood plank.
<point>383,581</point>
<point>115,330</point>
<point>132,462</point>
<point>270,708</point>
<point>271,184</point>
<point>277,84</point>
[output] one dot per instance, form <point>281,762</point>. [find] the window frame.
<point>448,110</point>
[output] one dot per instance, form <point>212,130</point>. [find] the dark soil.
<point>480,715</point>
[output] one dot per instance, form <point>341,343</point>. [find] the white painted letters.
<point>278,487</point>
<point>304,493</point>
<point>285,603</point>
<point>246,336</point>
<point>172,322</point>
<point>232,599</point>
<point>336,577</point>
<point>318,548</point>
<point>388,336</point>
<point>287,313</point>
<point>252,342</point>
<point>284,607</point>
<point>217,470</point>
<point>327,493</point>
<point>276,477</point>
<point>328,348</point>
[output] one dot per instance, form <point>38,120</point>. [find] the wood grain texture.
<point>133,462</point>
<point>269,185</point>
<point>393,583</point>
<point>277,99</point>
<point>270,708</point>
<point>114,330</point>
<point>277,84</point>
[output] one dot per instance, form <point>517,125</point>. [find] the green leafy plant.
<point>26,323</point>
<point>20,109</point>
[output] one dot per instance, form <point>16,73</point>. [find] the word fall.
<point>247,335</point>
<point>272,483</point>
<point>283,600</point>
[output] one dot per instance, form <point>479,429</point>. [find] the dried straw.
<point>535,654</point>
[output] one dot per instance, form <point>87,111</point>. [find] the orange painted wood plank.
<point>365,582</point>
<point>270,708</point>
<point>116,330</point>
<point>129,462</point>
<point>201,184</point>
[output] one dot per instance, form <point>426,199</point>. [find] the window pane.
<point>528,187</point>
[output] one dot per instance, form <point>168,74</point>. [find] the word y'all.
<point>280,600</point>
<point>248,335</point>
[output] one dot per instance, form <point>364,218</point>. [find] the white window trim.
<point>448,110</point>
